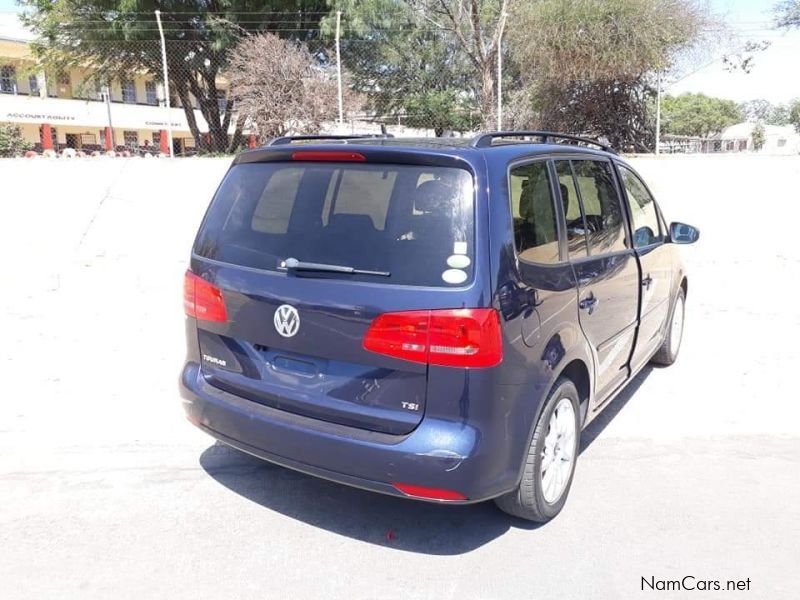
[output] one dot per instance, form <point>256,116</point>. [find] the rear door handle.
<point>646,282</point>
<point>589,303</point>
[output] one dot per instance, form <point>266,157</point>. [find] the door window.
<point>532,208</point>
<point>576,227</point>
<point>601,205</point>
<point>644,216</point>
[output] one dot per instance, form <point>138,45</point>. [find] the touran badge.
<point>286,320</point>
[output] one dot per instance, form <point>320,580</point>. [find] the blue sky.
<point>774,76</point>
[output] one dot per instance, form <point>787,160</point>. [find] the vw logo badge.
<point>286,320</point>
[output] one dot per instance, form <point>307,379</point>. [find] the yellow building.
<point>71,111</point>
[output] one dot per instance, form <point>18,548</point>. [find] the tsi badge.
<point>286,320</point>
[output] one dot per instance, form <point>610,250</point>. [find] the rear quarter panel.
<point>541,330</point>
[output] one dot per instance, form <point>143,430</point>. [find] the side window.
<point>603,211</point>
<point>576,228</point>
<point>645,221</point>
<point>532,208</point>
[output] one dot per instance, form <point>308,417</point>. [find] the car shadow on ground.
<point>376,518</point>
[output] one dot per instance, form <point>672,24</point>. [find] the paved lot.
<point>107,492</point>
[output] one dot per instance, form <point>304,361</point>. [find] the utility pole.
<point>339,66</point>
<point>658,113</point>
<point>500,71</point>
<point>166,82</point>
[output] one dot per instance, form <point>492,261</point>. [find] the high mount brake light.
<point>203,300</point>
<point>324,156</point>
<point>463,337</point>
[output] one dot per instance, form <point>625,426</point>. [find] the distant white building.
<point>739,138</point>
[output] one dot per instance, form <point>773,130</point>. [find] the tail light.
<point>464,337</point>
<point>203,300</point>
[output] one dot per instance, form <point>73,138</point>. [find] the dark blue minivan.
<point>429,318</point>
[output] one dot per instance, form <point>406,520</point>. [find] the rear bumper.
<point>437,454</point>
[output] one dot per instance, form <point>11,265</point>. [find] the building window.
<point>33,84</point>
<point>781,142</point>
<point>8,80</point>
<point>150,90</point>
<point>222,101</point>
<point>129,92</point>
<point>131,139</point>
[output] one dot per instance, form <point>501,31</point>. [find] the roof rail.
<point>484,140</point>
<point>289,139</point>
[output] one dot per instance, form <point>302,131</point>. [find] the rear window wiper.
<point>292,264</point>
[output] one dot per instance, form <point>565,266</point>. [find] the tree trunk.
<point>488,96</point>
<point>188,109</point>
<point>236,140</point>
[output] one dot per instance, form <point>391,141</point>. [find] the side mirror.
<point>681,233</point>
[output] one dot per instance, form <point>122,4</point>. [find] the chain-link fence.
<point>100,91</point>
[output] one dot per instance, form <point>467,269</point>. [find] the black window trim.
<point>555,198</point>
<point>579,195</point>
<point>620,198</point>
<point>619,165</point>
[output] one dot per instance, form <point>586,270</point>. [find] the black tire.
<point>528,500</point>
<point>667,353</point>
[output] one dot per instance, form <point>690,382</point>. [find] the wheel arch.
<point>578,373</point>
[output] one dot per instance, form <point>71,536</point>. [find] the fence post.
<point>339,66</point>
<point>166,82</point>
<point>500,72</point>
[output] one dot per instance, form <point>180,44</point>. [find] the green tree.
<point>591,63</point>
<point>115,39</point>
<point>759,136</point>
<point>766,112</point>
<point>794,114</point>
<point>11,141</point>
<point>698,114</point>
<point>419,54</point>
<point>440,110</point>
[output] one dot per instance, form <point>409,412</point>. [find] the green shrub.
<point>11,141</point>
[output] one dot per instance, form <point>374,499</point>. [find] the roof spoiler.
<point>291,139</point>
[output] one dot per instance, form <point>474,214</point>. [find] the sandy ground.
<point>107,492</point>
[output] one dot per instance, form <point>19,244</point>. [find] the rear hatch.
<point>291,334</point>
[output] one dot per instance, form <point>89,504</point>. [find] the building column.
<point>251,141</point>
<point>164,142</point>
<point>47,136</point>
<point>109,139</point>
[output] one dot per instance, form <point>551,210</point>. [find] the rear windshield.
<point>416,222</point>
